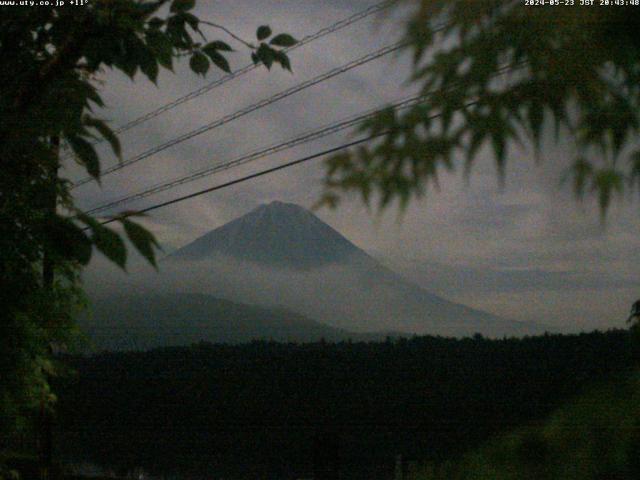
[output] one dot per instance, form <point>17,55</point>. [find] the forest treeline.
<point>274,410</point>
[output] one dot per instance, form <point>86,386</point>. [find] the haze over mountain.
<point>142,322</point>
<point>277,273</point>
<point>283,255</point>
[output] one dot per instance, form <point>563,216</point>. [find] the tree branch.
<point>230,33</point>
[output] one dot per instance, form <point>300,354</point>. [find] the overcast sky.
<point>528,251</point>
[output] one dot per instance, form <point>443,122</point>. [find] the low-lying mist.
<point>358,294</point>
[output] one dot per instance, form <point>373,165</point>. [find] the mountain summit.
<point>275,234</point>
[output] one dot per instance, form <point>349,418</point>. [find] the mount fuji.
<point>281,235</point>
<point>281,255</point>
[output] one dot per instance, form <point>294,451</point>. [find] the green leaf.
<point>182,5</point>
<point>218,59</point>
<point>283,60</point>
<point>192,20</point>
<point>536,117</point>
<point>147,61</point>
<point>156,23</point>
<point>86,154</point>
<point>142,239</point>
<point>127,65</point>
<point>160,44</point>
<point>266,55</point>
<point>477,140</point>
<point>264,31</point>
<point>499,149</point>
<point>149,9</point>
<point>135,53</point>
<point>218,45</point>
<point>283,40</point>
<point>582,170</point>
<point>199,63</point>
<point>111,245</point>
<point>92,94</point>
<point>106,241</point>
<point>177,32</point>
<point>606,182</point>
<point>106,133</point>
<point>149,67</point>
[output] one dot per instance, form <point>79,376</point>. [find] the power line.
<point>267,171</point>
<point>247,177</point>
<point>251,108</point>
<point>302,139</point>
<point>247,68</point>
<point>288,164</point>
<point>339,25</point>
<point>307,137</point>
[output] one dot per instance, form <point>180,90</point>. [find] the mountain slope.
<point>282,255</point>
<point>147,321</point>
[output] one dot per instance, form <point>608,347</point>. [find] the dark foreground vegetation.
<point>269,410</point>
<point>594,437</point>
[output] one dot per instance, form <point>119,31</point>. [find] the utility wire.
<point>247,68</point>
<point>288,164</point>
<point>251,108</point>
<point>245,178</point>
<point>307,137</point>
<point>339,25</point>
<point>258,154</point>
<point>267,171</point>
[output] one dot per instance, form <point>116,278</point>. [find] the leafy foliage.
<point>41,318</point>
<point>265,52</point>
<point>494,71</point>
<point>50,59</point>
